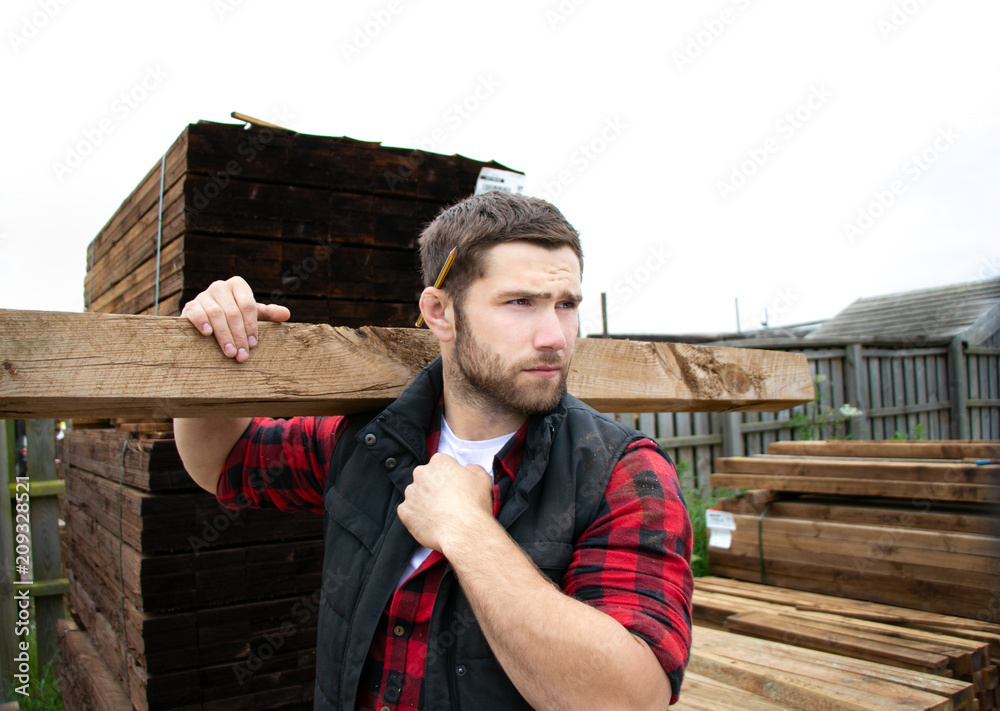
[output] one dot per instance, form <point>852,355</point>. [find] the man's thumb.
<point>272,312</point>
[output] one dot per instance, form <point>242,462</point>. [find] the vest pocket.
<point>482,685</point>
<point>349,516</point>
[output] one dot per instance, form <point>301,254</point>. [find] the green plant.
<point>45,694</point>
<point>816,417</point>
<point>697,503</point>
<point>916,433</point>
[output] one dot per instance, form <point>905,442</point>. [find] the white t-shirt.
<point>465,452</point>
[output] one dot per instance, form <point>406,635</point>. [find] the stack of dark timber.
<point>903,523</point>
<point>811,651</point>
<point>84,680</point>
<point>327,226</point>
<point>188,605</point>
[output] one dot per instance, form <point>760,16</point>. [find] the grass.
<point>697,505</point>
<point>43,688</point>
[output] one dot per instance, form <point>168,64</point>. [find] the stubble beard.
<point>483,379</point>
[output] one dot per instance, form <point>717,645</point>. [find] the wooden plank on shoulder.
<point>109,365</point>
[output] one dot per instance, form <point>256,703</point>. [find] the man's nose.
<point>549,335</point>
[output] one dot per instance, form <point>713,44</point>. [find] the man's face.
<point>516,329</point>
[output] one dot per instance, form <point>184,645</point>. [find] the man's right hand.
<point>229,310</point>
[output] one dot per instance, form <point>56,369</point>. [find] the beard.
<point>483,379</point>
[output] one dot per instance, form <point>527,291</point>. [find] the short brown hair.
<point>483,221</point>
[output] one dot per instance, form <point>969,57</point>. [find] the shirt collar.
<point>509,456</point>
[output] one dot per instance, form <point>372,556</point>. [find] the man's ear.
<point>439,314</point>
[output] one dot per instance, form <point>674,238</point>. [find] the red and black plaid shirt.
<point>632,562</point>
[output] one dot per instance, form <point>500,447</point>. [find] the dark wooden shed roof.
<point>970,311</point>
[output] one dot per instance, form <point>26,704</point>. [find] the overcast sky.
<point>793,155</point>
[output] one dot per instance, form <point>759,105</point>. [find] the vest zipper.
<point>452,659</point>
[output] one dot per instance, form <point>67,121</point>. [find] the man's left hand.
<point>446,501</point>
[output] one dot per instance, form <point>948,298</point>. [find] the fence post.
<point>45,557</point>
<point>8,640</point>
<point>854,389</point>
<point>732,437</point>
<point>958,389</point>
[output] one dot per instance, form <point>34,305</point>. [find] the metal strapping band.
<point>760,539</point>
<point>159,238</point>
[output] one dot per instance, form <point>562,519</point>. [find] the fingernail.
<point>206,329</point>
<point>252,340</point>
<point>229,349</point>
<point>241,354</point>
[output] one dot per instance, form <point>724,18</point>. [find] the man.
<point>491,542</point>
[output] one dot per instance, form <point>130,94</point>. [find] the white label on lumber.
<point>721,525</point>
<point>720,519</point>
<point>506,180</point>
<point>720,538</point>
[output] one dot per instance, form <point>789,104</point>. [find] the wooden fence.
<point>941,390</point>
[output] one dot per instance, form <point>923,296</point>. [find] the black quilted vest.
<point>567,461</point>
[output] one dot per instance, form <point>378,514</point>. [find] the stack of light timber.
<point>923,660</point>
<point>912,524</point>
<point>327,226</point>
<point>190,607</point>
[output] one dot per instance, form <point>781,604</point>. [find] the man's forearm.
<point>559,652</point>
<point>204,445</point>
